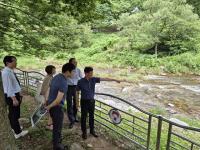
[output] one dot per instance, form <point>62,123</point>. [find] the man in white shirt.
<point>12,94</point>
<point>72,104</point>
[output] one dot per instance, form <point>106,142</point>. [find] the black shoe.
<point>94,134</point>
<point>59,147</point>
<point>66,147</point>
<point>76,120</point>
<point>84,136</point>
<point>71,125</point>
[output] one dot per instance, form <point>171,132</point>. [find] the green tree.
<point>167,26</point>
<point>40,27</point>
<point>196,5</point>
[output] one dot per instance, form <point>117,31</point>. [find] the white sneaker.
<point>23,133</point>
<point>21,127</point>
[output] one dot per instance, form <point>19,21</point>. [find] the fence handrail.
<point>29,71</point>
<point>136,107</point>
<point>36,72</point>
<point>153,115</point>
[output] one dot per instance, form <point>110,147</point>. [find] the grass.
<point>158,111</point>
<point>35,64</point>
<point>109,51</point>
<point>41,138</point>
<point>140,125</point>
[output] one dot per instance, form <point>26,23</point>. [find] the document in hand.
<point>38,114</point>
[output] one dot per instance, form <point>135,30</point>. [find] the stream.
<point>174,94</point>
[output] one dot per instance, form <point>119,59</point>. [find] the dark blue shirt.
<point>58,84</point>
<point>87,87</point>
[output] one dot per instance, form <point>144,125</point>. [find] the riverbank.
<point>161,93</point>
<point>153,92</point>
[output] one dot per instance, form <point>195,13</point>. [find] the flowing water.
<point>175,94</point>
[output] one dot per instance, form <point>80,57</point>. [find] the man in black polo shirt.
<point>87,87</point>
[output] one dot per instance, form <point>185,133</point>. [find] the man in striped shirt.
<point>72,103</point>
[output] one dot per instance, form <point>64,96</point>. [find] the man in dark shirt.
<point>87,87</point>
<point>55,102</point>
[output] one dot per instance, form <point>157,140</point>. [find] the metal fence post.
<point>25,81</point>
<point>133,125</point>
<point>169,136</point>
<point>159,130</point>
<point>100,108</point>
<point>192,146</point>
<point>149,132</point>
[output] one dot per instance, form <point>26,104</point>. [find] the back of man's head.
<point>71,60</point>
<point>68,67</point>
<point>49,69</point>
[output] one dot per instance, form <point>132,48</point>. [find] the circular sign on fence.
<point>115,116</point>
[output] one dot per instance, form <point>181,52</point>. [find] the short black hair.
<point>71,59</point>
<point>68,67</point>
<point>88,69</point>
<point>49,69</point>
<point>8,59</point>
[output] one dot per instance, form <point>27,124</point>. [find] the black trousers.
<point>14,113</point>
<point>87,106</point>
<point>57,115</point>
<point>71,103</point>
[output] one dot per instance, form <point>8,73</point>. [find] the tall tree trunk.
<point>7,141</point>
<point>156,50</point>
<point>4,24</point>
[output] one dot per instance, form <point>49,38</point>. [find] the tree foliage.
<point>196,5</point>
<point>43,26</point>
<point>38,27</point>
<point>169,26</point>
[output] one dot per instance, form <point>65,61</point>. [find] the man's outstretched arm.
<point>110,79</point>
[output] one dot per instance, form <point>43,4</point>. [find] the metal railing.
<point>141,128</point>
<point>29,79</point>
<point>145,129</point>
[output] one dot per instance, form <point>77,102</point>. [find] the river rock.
<point>89,145</point>
<point>159,96</point>
<point>170,105</point>
<point>163,74</point>
<point>122,145</point>
<point>76,146</point>
<point>126,89</point>
<point>172,111</point>
<point>178,122</point>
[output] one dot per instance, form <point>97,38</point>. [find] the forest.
<point>152,46</point>
<point>151,34</point>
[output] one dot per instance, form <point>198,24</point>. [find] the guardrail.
<point>137,126</point>
<point>29,79</point>
<point>145,129</point>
